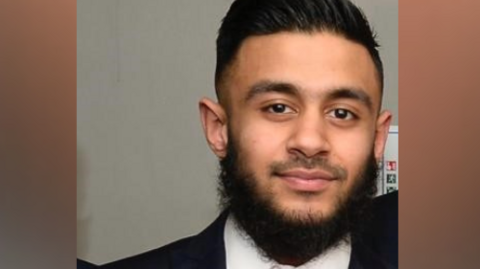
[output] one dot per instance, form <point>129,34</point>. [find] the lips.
<point>308,174</point>
<point>307,180</point>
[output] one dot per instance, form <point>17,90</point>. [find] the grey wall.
<point>145,174</point>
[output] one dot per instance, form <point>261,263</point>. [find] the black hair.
<point>247,18</point>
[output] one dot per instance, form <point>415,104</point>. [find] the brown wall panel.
<point>37,133</point>
<point>439,99</point>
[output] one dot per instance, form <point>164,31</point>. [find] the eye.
<point>279,109</point>
<point>342,114</point>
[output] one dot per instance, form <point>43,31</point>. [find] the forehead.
<point>313,61</point>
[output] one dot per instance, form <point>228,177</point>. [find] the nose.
<point>309,137</point>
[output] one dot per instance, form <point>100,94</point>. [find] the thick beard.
<point>294,239</point>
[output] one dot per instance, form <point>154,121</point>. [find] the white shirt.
<point>241,253</point>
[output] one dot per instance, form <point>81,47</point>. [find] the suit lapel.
<point>206,250</point>
<point>363,257</point>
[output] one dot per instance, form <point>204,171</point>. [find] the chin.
<point>316,211</point>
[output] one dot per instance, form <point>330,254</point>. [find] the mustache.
<point>320,163</point>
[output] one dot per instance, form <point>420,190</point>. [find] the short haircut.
<point>247,18</point>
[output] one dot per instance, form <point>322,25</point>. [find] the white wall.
<point>145,174</point>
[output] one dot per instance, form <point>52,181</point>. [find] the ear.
<point>214,122</point>
<point>381,133</point>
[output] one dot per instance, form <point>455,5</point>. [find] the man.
<point>298,131</point>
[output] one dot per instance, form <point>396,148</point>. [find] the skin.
<point>299,95</point>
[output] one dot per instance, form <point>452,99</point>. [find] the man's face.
<point>303,114</point>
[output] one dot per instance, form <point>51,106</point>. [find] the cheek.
<point>260,146</point>
<point>352,151</point>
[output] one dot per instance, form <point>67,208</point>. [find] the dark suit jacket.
<point>206,251</point>
<point>84,265</point>
<point>382,232</point>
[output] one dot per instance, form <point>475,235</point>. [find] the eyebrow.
<point>263,87</point>
<point>353,94</point>
<point>267,86</point>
